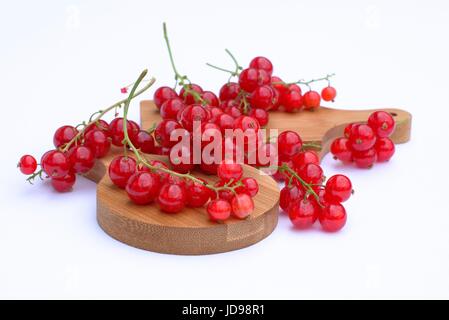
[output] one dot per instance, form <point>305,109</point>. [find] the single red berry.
<point>311,100</point>
<point>182,160</point>
<point>251,187</point>
<point>145,141</point>
<point>65,183</point>
<point>218,210</point>
<point>55,164</point>
<point>260,115</point>
<point>303,213</point>
<point>332,217</point>
<point>172,198</point>
<point>246,123</point>
<point>98,142</point>
<point>341,149</point>
<point>338,189</point>
<point>194,113</point>
<point>98,125</point>
<point>382,123</point>
<point>163,94</point>
<point>197,193</point>
<point>364,159</point>
<point>63,135</point>
<point>251,78</point>
<point>229,91</point>
<point>228,170</point>
<point>143,187</point>
<point>214,113</point>
<point>210,98</point>
<point>82,159</point>
<point>163,132</point>
<point>262,63</point>
<point>348,129</point>
<point>291,100</point>
<point>242,205</point>
<point>289,143</point>
<point>305,157</point>
<point>289,195</point>
<point>362,137</point>
<point>209,168</point>
<point>27,164</point>
<point>120,169</point>
<point>163,175</point>
<point>225,121</point>
<point>188,97</point>
<point>263,97</point>
<point>328,93</point>
<point>384,148</point>
<point>311,173</point>
<point>233,111</point>
<point>117,131</point>
<point>171,107</point>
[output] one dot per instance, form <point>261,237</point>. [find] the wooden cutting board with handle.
<point>190,232</point>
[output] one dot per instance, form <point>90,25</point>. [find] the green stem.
<point>34,175</point>
<point>234,73</point>
<point>307,83</point>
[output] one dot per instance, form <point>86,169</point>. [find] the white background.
<point>62,60</point>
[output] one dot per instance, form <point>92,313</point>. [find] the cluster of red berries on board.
<point>240,105</point>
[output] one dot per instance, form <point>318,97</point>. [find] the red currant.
<point>233,111</point>
<point>289,195</point>
<point>143,187</point>
<point>63,135</point>
<point>263,97</point>
<point>219,210</point>
<point>312,100</point>
<point>163,176</point>
<point>197,193</point>
<point>27,164</point>
<point>260,115</point>
<point>214,113</point>
<point>242,205</point>
<point>341,150</point>
<point>382,123</point>
<point>163,131</point>
<point>172,198</point>
<point>82,159</point>
<point>289,143</point>
<point>251,78</point>
<point>188,97</point>
<point>178,163</point>
<point>332,217</point>
<point>384,148</point>
<point>362,137</point>
<point>163,94</point>
<point>303,213</point>
<point>171,107</point>
<point>65,183</point>
<point>311,173</point>
<point>262,63</point>
<point>210,98</point>
<point>364,159</point>
<point>98,142</point>
<point>251,187</point>
<point>225,121</point>
<point>328,93</point>
<point>145,142</point>
<point>348,129</point>
<point>228,170</point>
<point>193,113</point>
<point>120,169</point>
<point>338,189</point>
<point>229,91</point>
<point>117,132</point>
<point>305,157</point>
<point>55,164</point>
<point>98,125</point>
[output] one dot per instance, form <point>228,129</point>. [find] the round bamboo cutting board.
<point>190,232</point>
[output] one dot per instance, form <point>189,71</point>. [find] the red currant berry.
<point>171,107</point>
<point>224,194</point>
<point>219,210</point>
<point>382,123</point>
<point>214,113</point>
<point>98,125</point>
<point>145,141</point>
<point>332,217</point>
<point>98,142</point>
<point>82,159</point>
<point>172,198</point>
<point>384,148</point>
<point>338,189</point>
<point>289,143</point>
<point>163,94</point>
<point>242,205</point>
<point>289,195</point>
<point>291,100</point>
<point>194,113</point>
<point>362,137</point>
<point>177,162</point>
<point>228,170</point>
<point>233,111</point>
<point>229,91</point>
<point>27,164</point>
<point>63,135</point>
<point>188,97</point>
<point>117,131</point>
<point>312,100</point>
<point>328,93</point>
<point>305,157</point>
<point>364,159</point>
<point>311,173</point>
<point>251,187</point>
<point>163,131</point>
<point>251,78</point>
<point>163,175</point>
<point>263,97</point>
<point>341,150</point>
<point>262,63</point>
<point>260,115</point>
<point>210,98</point>
<point>120,169</point>
<point>225,121</point>
<point>55,164</point>
<point>246,123</point>
<point>143,187</point>
<point>65,183</point>
<point>209,168</point>
<point>303,213</point>
<point>197,193</point>
<point>348,129</point>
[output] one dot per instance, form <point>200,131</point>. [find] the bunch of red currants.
<point>366,143</point>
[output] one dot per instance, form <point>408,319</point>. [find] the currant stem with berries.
<point>234,73</point>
